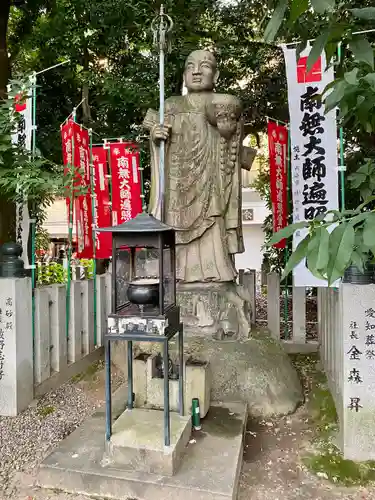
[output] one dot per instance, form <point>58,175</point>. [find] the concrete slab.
<point>209,470</point>
<point>137,441</point>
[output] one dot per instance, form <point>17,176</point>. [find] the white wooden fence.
<point>331,339</point>
<point>297,340</point>
<point>59,354</point>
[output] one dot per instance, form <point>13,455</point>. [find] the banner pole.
<point>342,167</point>
<point>286,251</point>
<point>70,233</point>
<point>94,209</point>
<point>33,222</point>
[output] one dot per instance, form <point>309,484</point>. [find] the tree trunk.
<point>86,110</point>
<point>7,209</point>
<point>4,59</point>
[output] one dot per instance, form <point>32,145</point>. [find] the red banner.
<point>277,146</point>
<point>76,143</point>
<point>102,204</point>
<point>126,182</point>
<point>67,152</point>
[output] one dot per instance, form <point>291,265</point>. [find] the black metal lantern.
<point>143,267</point>
<point>143,300</point>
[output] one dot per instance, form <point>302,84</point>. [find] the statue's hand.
<point>160,133</point>
<point>227,126</point>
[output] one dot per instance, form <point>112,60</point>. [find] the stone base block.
<point>209,470</point>
<point>137,442</point>
<point>149,388</point>
<point>217,310</point>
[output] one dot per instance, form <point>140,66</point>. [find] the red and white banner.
<point>126,182</point>
<point>76,154</point>
<point>22,136</point>
<point>278,147</point>
<point>102,204</point>
<point>313,137</point>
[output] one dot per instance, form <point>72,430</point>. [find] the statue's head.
<point>201,73</point>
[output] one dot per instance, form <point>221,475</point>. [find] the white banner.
<point>313,137</point>
<point>23,137</point>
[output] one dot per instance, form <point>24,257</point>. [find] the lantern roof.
<point>142,223</point>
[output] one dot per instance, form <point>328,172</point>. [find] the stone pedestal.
<point>16,346</point>
<point>149,387</point>
<point>137,442</point>
<point>209,470</point>
<point>215,310</point>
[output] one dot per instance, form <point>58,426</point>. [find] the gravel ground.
<point>27,439</point>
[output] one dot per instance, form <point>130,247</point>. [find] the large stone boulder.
<point>256,371</point>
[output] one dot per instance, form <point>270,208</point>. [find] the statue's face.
<point>200,71</point>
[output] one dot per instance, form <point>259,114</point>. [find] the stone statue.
<point>204,156</point>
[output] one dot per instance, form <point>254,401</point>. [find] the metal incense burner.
<point>144,291</point>
<point>143,301</point>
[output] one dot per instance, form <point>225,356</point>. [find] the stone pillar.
<point>16,346</point>
<point>357,415</point>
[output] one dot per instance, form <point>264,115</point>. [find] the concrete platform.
<point>137,441</point>
<point>209,470</point>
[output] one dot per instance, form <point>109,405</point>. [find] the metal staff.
<point>161,26</point>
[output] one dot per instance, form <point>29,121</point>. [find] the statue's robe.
<point>202,198</point>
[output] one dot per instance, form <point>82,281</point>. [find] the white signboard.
<point>313,136</point>
<point>23,136</point>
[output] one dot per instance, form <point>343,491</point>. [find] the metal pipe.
<point>181,374</point>
<point>94,209</point>
<point>130,375</point>
<point>295,42</point>
<point>167,423</point>
<point>108,393</point>
<point>52,67</point>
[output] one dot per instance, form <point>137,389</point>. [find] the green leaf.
<point>362,50</point>
<point>275,22</point>
<point>317,252</point>
<point>358,260</point>
<point>358,218</point>
<point>369,230</point>
<point>366,202</point>
<point>286,232</point>
<point>367,13</point>
<point>296,257</point>
<point>370,79</point>
<point>297,8</point>
<point>318,47</point>
<point>351,76</point>
<point>341,245</point>
<point>322,6</point>
<point>333,98</point>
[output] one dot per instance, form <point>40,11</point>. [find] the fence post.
<point>75,323</point>
<point>273,304</point>
<point>87,290</point>
<point>59,344</point>
<point>42,344</point>
<point>357,415</point>
<point>16,346</point>
<point>108,292</point>
<point>249,282</point>
<point>101,311</point>
<point>299,315</point>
